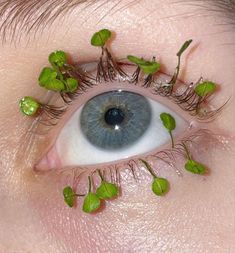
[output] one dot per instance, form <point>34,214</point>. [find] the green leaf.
<point>107,190</point>
<point>58,58</point>
<point>47,79</point>
<point>168,121</point>
<point>184,47</point>
<point>205,88</point>
<point>136,60</point>
<point>160,186</point>
<point>91,203</point>
<point>148,67</point>
<point>100,38</point>
<point>195,167</point>
<point>29,106</point>
<point>69,196</point>
<point>71,84</point>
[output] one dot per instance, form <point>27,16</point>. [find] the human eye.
<point>117,119</point>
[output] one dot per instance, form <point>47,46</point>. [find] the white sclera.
<point>74,149</point>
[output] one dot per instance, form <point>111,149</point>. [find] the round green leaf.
<point>47,79</point>
<point>46,75</point>
<point>107,190</point>
<point>150,68</point>
<point>168,121</point>
<point>160,186</point>
<point>58,58</point>
<point>69,196</point>
<point>29,106</point>
<point>91,203</point>
<point>100,38</point>
<point>195,167</point>
<point>205,88</point>
<point>71,85</point>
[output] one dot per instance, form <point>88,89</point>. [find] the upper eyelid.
<point>188,100</point>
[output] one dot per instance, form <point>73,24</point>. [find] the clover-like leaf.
<point>48,79</point>
<point>195,167</point>
<point>91,203</point>
<point>29,106</point>
<point>100,38</point>
<point>160,186</point>
<point>107,190</point>
<point>205,88</point>
<point>58,58</point>
<point>69,196</point>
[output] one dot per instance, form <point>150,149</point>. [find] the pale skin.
<point>197,215</point>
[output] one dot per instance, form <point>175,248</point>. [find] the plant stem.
<point>187,152</point>
<point>149,168</point>
<point>172,140</point>
<point>101,176</point>
<point>89,180</point>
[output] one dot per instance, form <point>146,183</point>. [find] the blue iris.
<point>116,119</point>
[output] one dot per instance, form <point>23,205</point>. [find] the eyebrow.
<point>19,17</point>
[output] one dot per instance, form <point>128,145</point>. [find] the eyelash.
<point>188,100</point>
<point>168,156</point>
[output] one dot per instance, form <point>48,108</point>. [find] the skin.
<point>198,213</point>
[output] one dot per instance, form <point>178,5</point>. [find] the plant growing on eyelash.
<point>70,196</point>
<point>149,68</point>
<point>106,190</point>
<point>177,69</point>
<point>169,123</point>
<point>107,69</point>
<point>205,88</point>
<point>31,107</point>
<point>166,89</point>
<point>160,186</point>
<point>91,202</point>
<point>55,79</point>
<point>192,165</point>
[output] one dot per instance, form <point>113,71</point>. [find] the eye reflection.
<point>113,126</point>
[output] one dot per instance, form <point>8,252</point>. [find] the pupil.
<point>114,116</point>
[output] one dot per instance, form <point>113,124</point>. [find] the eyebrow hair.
<point>19,17</point>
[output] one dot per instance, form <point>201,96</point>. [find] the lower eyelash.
<point>169,157</point>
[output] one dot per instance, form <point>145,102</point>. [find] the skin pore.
<point>198,214</point>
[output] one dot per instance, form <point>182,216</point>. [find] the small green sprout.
<point>184,47</point>
<point>106,190</point>
<point>138,61</point>
<point>71,85</point>
<point>58,58</point>
<point>192,165</point>
<point>148,67</point>
<point>29,106</point>
<point>195,167</point>
<point>205,88</point>
<point>100,38</point>
<point>69,196</point>
<point>48,79</point>
<point>169,123</point>
<point>177,69</point>
<point>91,202</point>
<point>160,186</point>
